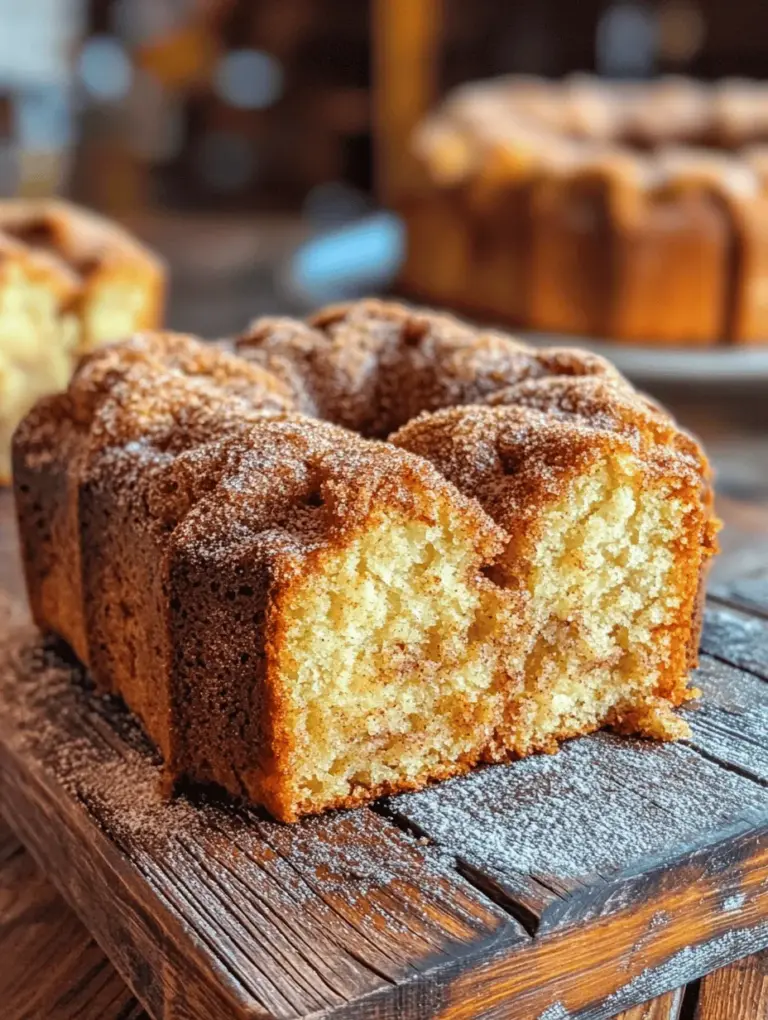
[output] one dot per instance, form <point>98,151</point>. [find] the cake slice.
<point>607,515</point>
<point>333,635</point>
<point>296,614</point>
<point>69,280</point>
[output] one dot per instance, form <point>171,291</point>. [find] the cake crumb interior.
<point>605,603</point>
<point>402,658</point>
<point>392,660</point>
<point>37,349</point>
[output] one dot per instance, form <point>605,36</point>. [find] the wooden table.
<point>50,967</point>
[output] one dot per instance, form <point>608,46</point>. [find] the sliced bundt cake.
<point>310,618</point>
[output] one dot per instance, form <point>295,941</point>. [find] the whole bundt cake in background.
<point>629,211</point>
<point>311,615</point>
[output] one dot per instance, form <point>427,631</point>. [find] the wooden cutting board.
<point>563,887</point>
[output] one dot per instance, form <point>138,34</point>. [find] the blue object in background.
<point>359,258</point>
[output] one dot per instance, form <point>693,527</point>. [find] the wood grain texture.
<point>730,721</point>
<point>737,992</point>
<point>212,911</point>
<point>51,967</point>
<point>253,916</point>
<point>665,1007</point>
<point>590,826</point>
<point>736,637</point>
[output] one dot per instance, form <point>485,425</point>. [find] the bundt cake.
<point>309,616</point>
<point>69,281</point>
<point>635,212</point>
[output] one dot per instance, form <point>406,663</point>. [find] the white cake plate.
<point>728,364</point>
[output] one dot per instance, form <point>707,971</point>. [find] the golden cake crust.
<point>372,365</point>
<point>288,494</point>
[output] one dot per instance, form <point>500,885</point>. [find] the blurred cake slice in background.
<point>69,281</point>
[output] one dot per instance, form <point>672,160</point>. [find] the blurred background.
<point>228,133</point>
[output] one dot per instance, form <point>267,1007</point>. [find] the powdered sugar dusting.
<point>734,902</point>
<point>685,965</point>
<point>602,803</point>
<point>737,638</point>
<point>731,720</point>
<point>97,752</point>
<point>556,1011</point>
<point>92,745</point>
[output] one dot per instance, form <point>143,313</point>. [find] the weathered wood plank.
<point>730,721</point>
<point>749,592</point>
<point>51,967</point>
<point>75,980</point>
<point>738,991</point>
<point>736,637</point>
<point>585,822</point>
<point>596,971</point>
<point>212,911</point>
<point>665,1007</point>
<point>744,543</point>
<point>228,913</point>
